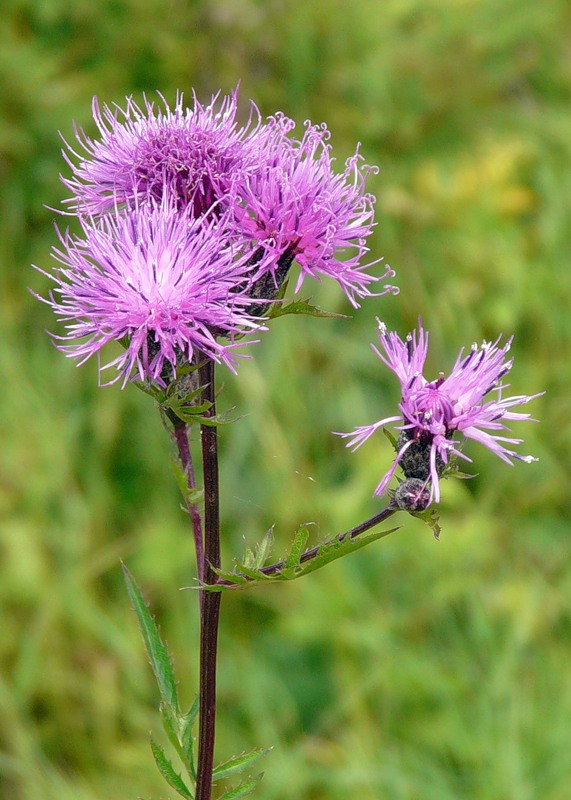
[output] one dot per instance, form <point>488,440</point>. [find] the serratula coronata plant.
<point>189,226</point>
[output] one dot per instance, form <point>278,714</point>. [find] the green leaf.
<point>331,551</point>
<point>392,438</point>
<point>225,418</point>
<point>167,771</point>
<point>187,739</point>
<point>264,549</point>
<point>153,391</point>
<point>250,572</point>
<point>238,763</point>
<point>192,497</point>
<point>456,473</point>
<point>245,788</point>
<point>171,724</point>
<point>233,577</point>
<point>430,517</point>
<point>297,548</point>
<point>300,307</point>
<point>249,557</point>
<point>158,653</point>
<point>295,566</point>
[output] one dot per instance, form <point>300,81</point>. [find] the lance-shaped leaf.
<point>179,732</point>
<point>257,558</point>
<point>193,497</point>
<point>432,518</point>
<point>244,789</point>
<point>297,563</point>
<point>300,307</point>
<point>167,770</point>
<point>158,653</point>
<point>297,548</point>
<point>238,764</point>
<point>187,739</point>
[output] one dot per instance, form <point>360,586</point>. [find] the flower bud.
<point>412,495</point>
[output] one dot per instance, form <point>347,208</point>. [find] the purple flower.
<point>295,204</point>
<point>432,412</point>
<point>164,285</point>
<point>285,198</point>
<point>191,154</point>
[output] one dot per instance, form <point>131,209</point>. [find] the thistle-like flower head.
<point>296,204</point>
<point>191,154</point>
<point>434,413</point>
<point>163,284</point>
<point>191,222</point>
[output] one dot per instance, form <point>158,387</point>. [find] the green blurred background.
<point>413,670</point>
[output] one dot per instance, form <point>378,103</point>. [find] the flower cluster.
<point>433,412</point>
<point>189,225</point>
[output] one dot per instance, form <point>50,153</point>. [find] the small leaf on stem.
<point>245,788</point>
<point>238,763</point>
<point>297,547</point>
<point>167,771</point>
<point>158,653</point>
<point>300,307</point>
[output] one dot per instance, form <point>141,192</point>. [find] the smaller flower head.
<point>146,153</point>
<point>434,412</point>
<point>295,205</point>
<point>163,285</point>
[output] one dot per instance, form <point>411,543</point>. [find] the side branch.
<point>387,512</point>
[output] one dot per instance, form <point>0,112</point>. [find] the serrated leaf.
<point>193,497</point>
<point>238,763</point>
<point>432,518</point>
<point>187,739</point>
<point>391,437</point>
<point>297,547</point>
<point>463,476</point>
<point>153,391</point>
<point>301,307</point>
<point>264,549</point>
<point>172,727</point>
<point>244,789</point>
<point>156,649</point>
<point>249,557</point>
<point>331,551</point>
<point>251,572</point>
<point>192,713</point>
<point>325,554</point>
<point>167,770</point>
<point>225,418</point>
<point>224,575</point>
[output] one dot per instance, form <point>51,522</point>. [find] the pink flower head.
<point>295,204</point>
<point>284,197</point>
<point>433,412</point>
<point>191,154</point>
<point>162,284</point>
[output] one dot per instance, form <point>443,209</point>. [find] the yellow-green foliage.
<point>413,670</point>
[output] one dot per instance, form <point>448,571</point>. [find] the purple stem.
<point>181,438</point>
<point>210,601</point>
<point>386,512</point>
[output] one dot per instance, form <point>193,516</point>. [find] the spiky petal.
<point>155,280</point>
<point>296,203</point>
<point>191,154</point>
<point>433,412</point>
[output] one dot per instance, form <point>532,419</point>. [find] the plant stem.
<point>376,519</point>
<point>183,447</point>
<point>387,512</point>
<point>210,601</point>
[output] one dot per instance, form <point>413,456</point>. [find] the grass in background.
<point>416,670</point>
